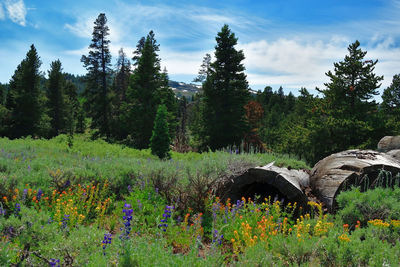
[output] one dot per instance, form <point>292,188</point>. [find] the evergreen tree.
<point>347,117</point>
<point>204,69</point>
<point>121,80</point>
<point>166,96</point>
<point>148,88</point>
<point>2,94</point>
<point>3,110</point>
<point>225,94</point>
<point>352,83</point>
<point>25,102</point>
<point>97,79</point>
<point>391,104</point>
<point>119,96</point>
<point>160,140</point>
<point>56,99</point>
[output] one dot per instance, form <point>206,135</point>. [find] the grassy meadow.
<point>97,204</point>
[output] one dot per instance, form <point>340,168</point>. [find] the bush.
<point>160,139</point>
<point>378,203</point>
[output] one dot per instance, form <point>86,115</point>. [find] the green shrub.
<point>378,203</point>
<point>160,140</point>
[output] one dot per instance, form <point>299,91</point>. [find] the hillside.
<point>184,89</point>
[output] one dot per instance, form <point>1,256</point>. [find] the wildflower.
<point>344,237</point>
<point>24,194</point>
<point>64,222</point>
<point>106,240</point>
<point>54,262</point>
<point>39,194</point>
<point>167,214</point>
<point>217,239</point>
<point>17,209</point>
<point>2,211</point>
<point>127,220</point>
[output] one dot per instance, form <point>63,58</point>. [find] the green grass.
<point>97,181</point>
<point>29,161</point>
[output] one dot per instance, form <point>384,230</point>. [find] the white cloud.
<point>178,63</point>
<point>2,15</point>
<point>16,11</point>
<point>295,63</point>
<point>82,28</point>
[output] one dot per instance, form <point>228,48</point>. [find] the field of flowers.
<point>105,205</point>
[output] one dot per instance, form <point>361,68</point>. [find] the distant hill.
<point>184,89</point>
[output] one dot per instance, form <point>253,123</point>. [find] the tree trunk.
<point>267,182</point>
<point>361,168</point>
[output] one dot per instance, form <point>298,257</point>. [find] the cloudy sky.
<point>290,43</point>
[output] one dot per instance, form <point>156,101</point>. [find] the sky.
<point>290,43</point>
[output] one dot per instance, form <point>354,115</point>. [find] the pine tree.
<point>25,99</point>
<point>56,99</point>
<point>347,115</point>
<point>121,80</point>
<point>391,104</point>
<point>204,69</point>
<point>97,79</point>
<point>144,92</point>
<point>119,96</point>
<point>166,96</point>
<point>160,140</point>
<point>352,83</point>
<point>226,93</point>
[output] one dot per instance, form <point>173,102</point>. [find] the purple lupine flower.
<point>65,221</point>
<point>29,167</point>
<point>67,183</point>
<point>39,194</point>
<point>127,220</point>
<point>106,240</point>
<point>17,209</point>
<point>156,189</point>
<point>167,214</point>
<point>54,262</point>
<point>24,194</point>
<point>2,211</point>
<point>217,239</point>
<point>215,209</point>
<point>130,189</point>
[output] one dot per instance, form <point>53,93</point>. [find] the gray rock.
<point>394,153</point>
<point>388,143</point>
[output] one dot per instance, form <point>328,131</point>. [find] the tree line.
<point>132,104</point>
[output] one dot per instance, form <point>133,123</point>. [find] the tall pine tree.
<point>391,105</point>
<point>25,99</point>
<point>56,99</point>
<point>148,88</point>
<point>119,96</point>
<point>97,79</point>
<point>347,115</point>
<point>226,93</point>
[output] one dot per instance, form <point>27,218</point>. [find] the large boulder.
<point>361,168</point>
<point>388,143</point>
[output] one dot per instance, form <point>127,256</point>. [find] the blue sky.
<point>290,43</point>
